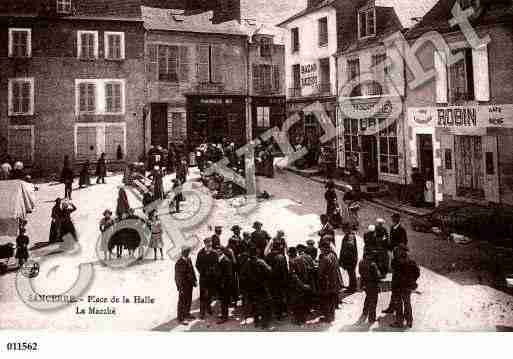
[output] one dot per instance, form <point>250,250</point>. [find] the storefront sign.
<point>462,116</point>
<point>217,101</point>
<point>309,75</point>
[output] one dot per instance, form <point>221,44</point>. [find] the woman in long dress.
<point>106,226</point>
<point>67,226</point>
<point>332,206</point>
<point>156,241</point>
<point>55,226</point>
<point>123,207</point>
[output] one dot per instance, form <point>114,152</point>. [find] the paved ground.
<point>453,294</point>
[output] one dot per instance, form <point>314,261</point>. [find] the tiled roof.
<point>307,11</point>
<point>438,17</point>
<point>407,10</point>
<point>163,19</point>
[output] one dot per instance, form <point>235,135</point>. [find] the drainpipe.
<point>405,124</point>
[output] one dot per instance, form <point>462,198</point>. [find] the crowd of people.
<point>273,280</point>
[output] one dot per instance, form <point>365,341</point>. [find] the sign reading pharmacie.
<point>462,116</point>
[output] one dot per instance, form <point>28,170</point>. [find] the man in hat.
<point>207,266</point>
<point>260,238</point>
<point>370,277</point>
<point>369,239</point>
<point>312,277</point>
<point>394,298</point>
<point>398,234</point>
<point>310,249</point>
<point>279,277</point>
<point>225,283</point>
<point>382,259</point>
<point>326,227</point>
<point>407,273</point>
<point>236,244</point>
<point>348,258</point>
<point>299,286</point>
<point>279,240</point>
<point>216,237</point>
<point>256,275</point>
<point>185,280</point>
<point>329,283</point>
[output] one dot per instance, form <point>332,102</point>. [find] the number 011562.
<point>22,346</point>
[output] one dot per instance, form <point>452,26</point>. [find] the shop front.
<point>214,118</point>
<point>467,148</point>
<point>266,113</point>
<point>372,145</point>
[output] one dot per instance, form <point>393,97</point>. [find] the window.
<point>388,151</point>
<point>20,42</point>
<point>21,143</point>
<point>448,159</point>
<point>63,6</point>
<point>114,45</point>
<point>296,81</point>
<point>378,87</point>
<point>351,139</point>
<point>113,97</point>
<point>265,47</point>
<point>178,126</point>
<point>294,33</point>
<point>263,118</point>
<point>173,63</point>
<point>353,73</point>
<point>262,78</point>
<point>87,97</point>
<point>276,78</point>
<point>323,31</point>
<point>461,78</point>
<point>100,96</point>
<point>211,66</point>
<point>87,45</point>
<point>366,22</point>
<point>324,70</point>
<point>21,96</point>
<point>91,139</point>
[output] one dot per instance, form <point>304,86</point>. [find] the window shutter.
<point>202,65</point>
<point>184,63</point>
<point>109,98</point>
<point>217,64</point>
<point>172,61</point>
<point>276,78</point>
<point>441,77</point>
<point>91,105</point>
<point>163,64</point>
<point>256,78</point>
<point>481,77</point>
<point>152,61</point>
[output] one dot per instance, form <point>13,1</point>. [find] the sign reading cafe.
<point>463,116</point>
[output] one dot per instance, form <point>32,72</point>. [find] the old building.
<point>197,78</point>
<point>371,131</point>
<point>71,80</point>
<point>460,123</point>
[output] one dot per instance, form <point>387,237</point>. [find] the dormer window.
<point>63,6</point>
<point>366,22</point>
<point>265,47</point>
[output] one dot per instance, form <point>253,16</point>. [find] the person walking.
<point>101,169</point>
<point>156,241</point>
<point>67,177</point>
<point>382,245</point>
<point>123,207</point>
<point>349,257</point>
<point>370,240</point>
<point>260,238</point>
<point>329,283</point>
<point>208,269</point>
<point>22,242</point>
<point>370,278</point>
<point>398,234</point>
<point>67,226</point>
<point>185,280</point>
<point>332,206</point>
<point>299,288</point>
<point>408,273</point>
<point>56,221</point>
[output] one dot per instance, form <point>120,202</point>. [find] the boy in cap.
<point>310,249</point>
<point>225,284</point>
<point>260,238</point>
<point>329,282</point>
<point>216,237</point>
<point>185,280</point>
<point>370,277</point>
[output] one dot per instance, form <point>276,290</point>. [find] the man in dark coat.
<point>311,250</point>
<point>382,259</point>
<point>327,228</point>
<point>101,169</point>
<point>279,279</point>
<point>349,257</point>
<point>312,278</point>
<point>370,277</point>
<point>398,234</point>
<point>236,244</point>
<point>329,283</point>
<point>256,275</point>
<point>185,280</point>
<point>225,283</point>
<point>299,287</point>
<point>67,177</point>
<point>370,239</point>
<point>216,237</point>
<point>407,273</point>
<point>208,268</point>
<point>394,298</point>
<point>260,238</point>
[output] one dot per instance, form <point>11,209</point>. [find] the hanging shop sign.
<point>462,116</point>
<point>309,75</point>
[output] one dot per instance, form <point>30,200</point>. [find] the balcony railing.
<point>295,92</point>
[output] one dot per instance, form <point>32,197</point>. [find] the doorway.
<point>370,158</point>
<point>469,166</point>
<point>159,127</point>
<point>425,155</point>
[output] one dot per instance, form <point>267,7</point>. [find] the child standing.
<point>156,241</point>
<point>22,242</point>
<point>370,278</point>
<point>106,224</point>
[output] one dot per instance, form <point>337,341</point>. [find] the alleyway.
<point>452,296</point>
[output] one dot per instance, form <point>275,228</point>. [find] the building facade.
<point>460,124</point>
<point>71,81</point>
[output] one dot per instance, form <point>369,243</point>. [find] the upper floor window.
<point>87,97</point>
<point>210,67</point>
<point>100,96</point>
<point>113,97</point>
<point>323,31</point>
<point>366,22</point>
<point>20,42</point>
<point>114,45</point>
<point>294,33</point>
<point>172,63</point>
<point>379,86</point>
<point>353,73</point>
<point>87,45</point>
<point>461,78</point>
<point>63,6</point>
<point>265,47</point>
<point>21,96</point>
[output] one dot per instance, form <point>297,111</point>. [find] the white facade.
<point>310,52</point>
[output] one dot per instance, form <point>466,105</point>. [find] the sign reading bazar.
<point>462,116</point>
